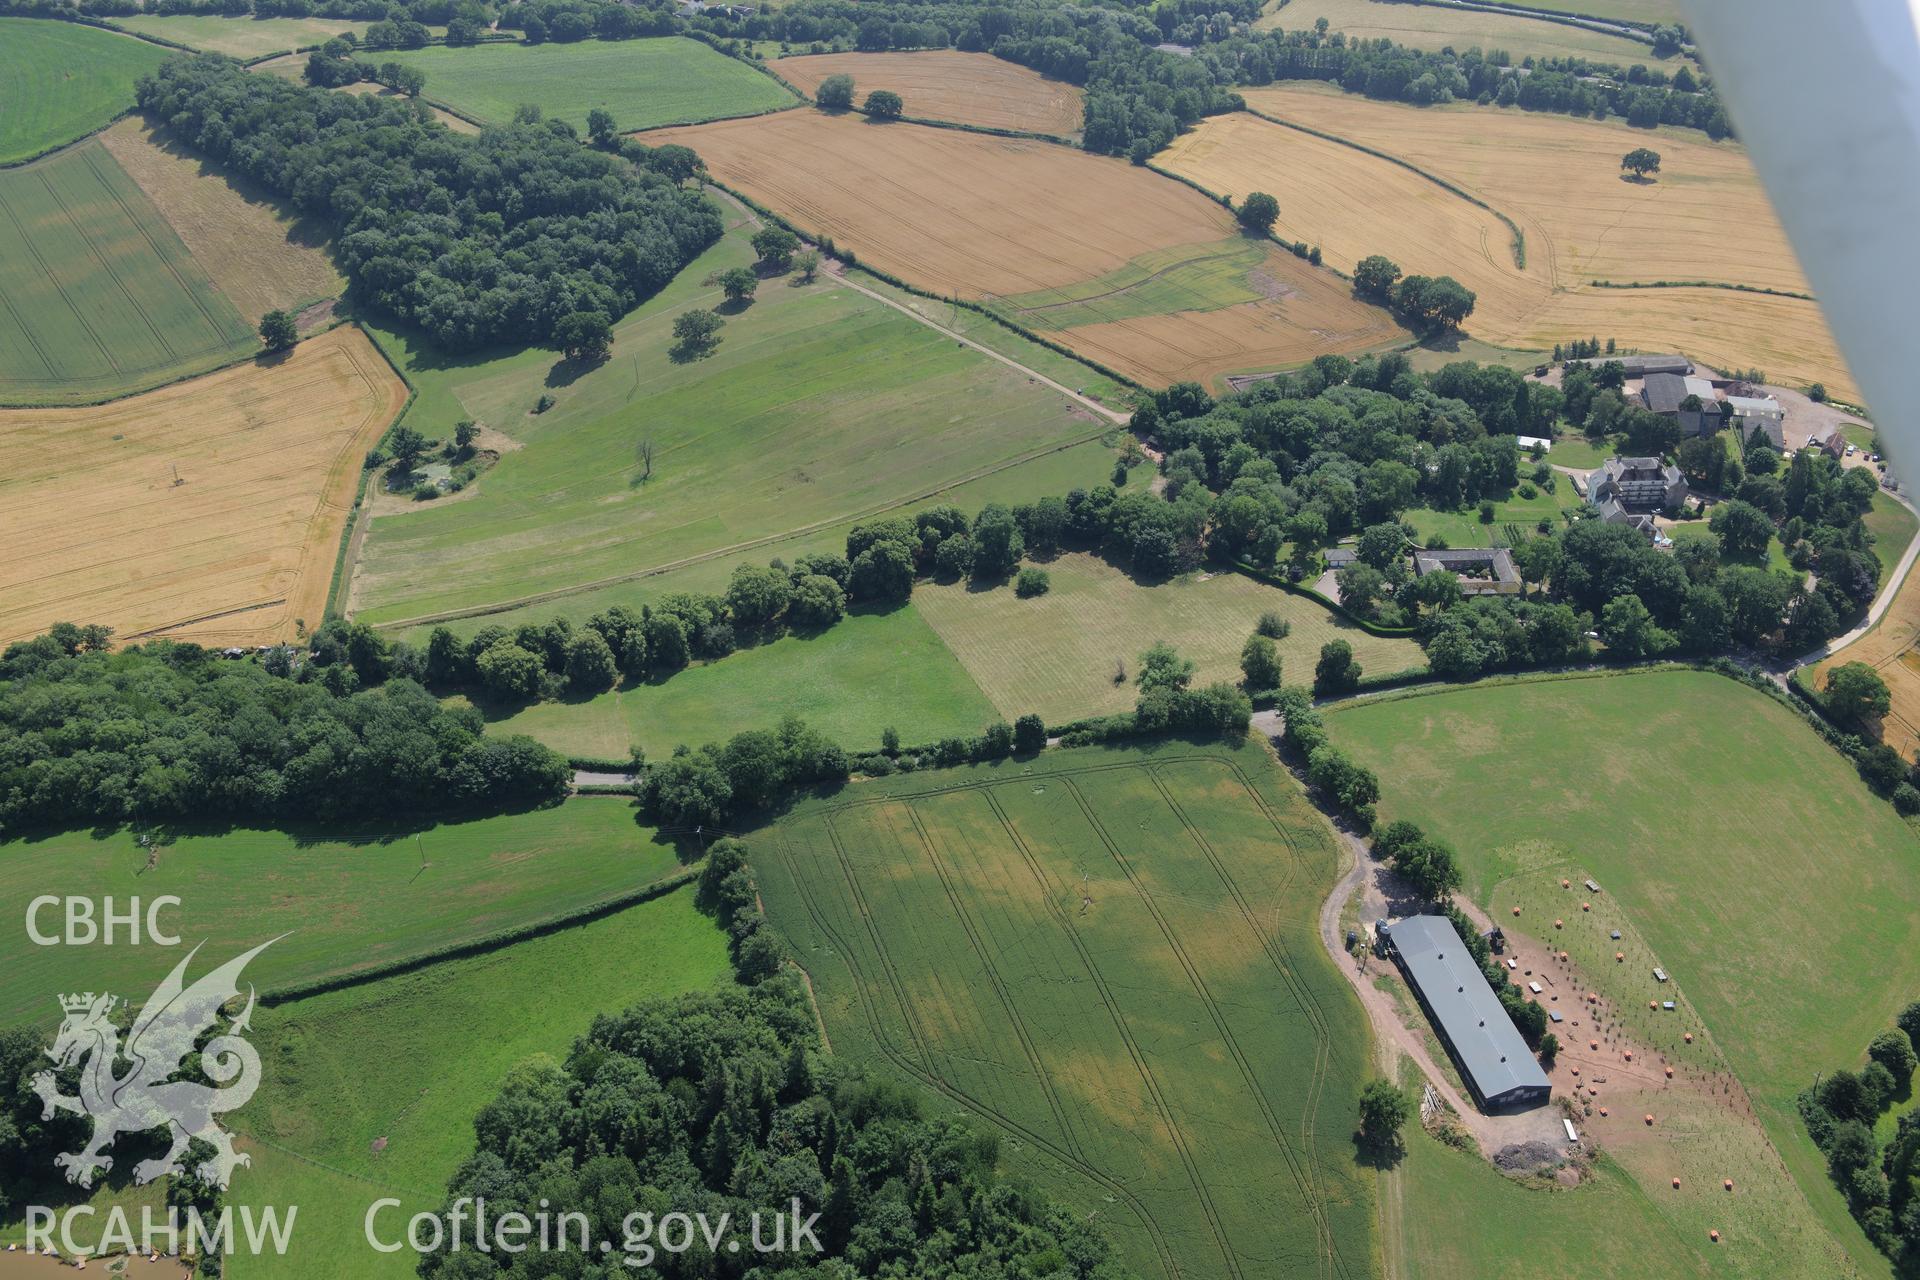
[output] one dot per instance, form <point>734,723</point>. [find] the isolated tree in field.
<point>585,336</point>
<point>1260,663</point>
<point>1384,1111</point>
<point>738,283</point>
<point>1641,161</point>
<point>808,264</point>
<point>278,330</point>
<point>464,434</point>
<point>407,446</point>
<point>601,129</point>
<point>643,454</point>
<point>775,247</point>
<point>1433,302</point>
<point>1258,212</point>
<point>695,333</point>
<point>1162,667</point>
<point>885,104</point>
<point>1374,277</point>
<point>835,93</point>
<point>1857,694</point>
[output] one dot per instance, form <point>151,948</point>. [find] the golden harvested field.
<point>1002,220</point>
<point>1892,649</point>
<point>236,549</point>
<point>1426,26</point>
<point>1704,218</point>
<point>255,254</point>
<point>945,84</point>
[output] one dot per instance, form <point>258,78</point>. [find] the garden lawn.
<point>1466,528</point>
<point>644,83</point>
<point>819,407</point>
<point>1747,851</point>
<point>1109,957</point>
<point>371,1091</point>
<point>1700,531</point>
<point>1056,654</point>
<point>346,901</point>
<point>1580,453</point>
<point>61,80</point>
<point>868,672</point>
<point>1893,526</point>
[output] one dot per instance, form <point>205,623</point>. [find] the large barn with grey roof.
<point>1493,1059</point>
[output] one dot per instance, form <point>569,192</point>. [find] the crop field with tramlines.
<point>61,80</point>
<point>644,83</point>
<point>102,298</point>
<point>945,84</point>
<point>1122,265</point>
<point>239,37</point>
<point>1704,219</point>
<point>1113,959</point>
<point>209,510</point>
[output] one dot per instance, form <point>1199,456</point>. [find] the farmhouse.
<point>1637,485</point>
<point>1832,442</point>
<point>1468,1017</point>
<point>1483,571</point>
<point>1688,400</point>
<point>1751,414</point>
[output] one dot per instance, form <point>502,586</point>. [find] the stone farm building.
<point>1483,571</point>
<point>1467,1016</point>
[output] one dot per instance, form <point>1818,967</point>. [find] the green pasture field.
<point>1747,851</point>
<point>819,408</point>
<point>852,680</point>
<point>1893,527</point>
<point>411,1059</point>
<point>645,83</point>
<point>345,901</point>
<point>1112,957</point>
<point>1190,277</point>
<point>1055,654</point>
<point>1466,529</point>
<point>102,298</point>
<point>243,38</point>
<point>62,80</point>
<point>1434,27</point>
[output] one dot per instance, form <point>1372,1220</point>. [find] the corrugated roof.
<point>1482,1035</point>
<point>1663,392</point>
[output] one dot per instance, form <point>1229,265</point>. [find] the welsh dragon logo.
<point>147,1096</point>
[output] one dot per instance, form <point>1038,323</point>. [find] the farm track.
<point>1303,1172</point>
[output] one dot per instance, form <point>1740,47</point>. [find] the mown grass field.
<point>411,1059</point>
<point>853,680</point>
<point>1434,27</point>
<point>644,83</point>
<point>1111,957</point>
<point>1747,852</point>
<point>1055,654</point>
<point>945,84</point>
<point>1705,217</point>
<point>209,510</point>
<point>1467,529</point>
<point>102,298</point>
<point>820,406</point>
<point>255,252</point>
<point>241,38</point>
<point>346,901</point>
<point>61,80</point>
<point>932,206</point>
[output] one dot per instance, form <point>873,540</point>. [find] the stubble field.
<point>239,37</point>
<point>256,255</point>
<point>1704,217</point>
<point>1111,958</point>
<point>1420,26</point>
<point>945,84</point>
<point>1001,220</point>
<point>102,298</point>
<point>61,80</point>
<point>209,510</point>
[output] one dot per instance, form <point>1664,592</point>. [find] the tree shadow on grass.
<point>566,371</point>
<point>688,352</point>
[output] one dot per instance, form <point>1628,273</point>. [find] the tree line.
<point>167,732</point>
<point>476,240</point>
<point>1881,1182</point>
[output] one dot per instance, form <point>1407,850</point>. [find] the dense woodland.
<point>165,732</point>
<point>722,1103</point>
<point>494,238</point>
